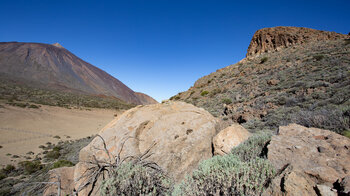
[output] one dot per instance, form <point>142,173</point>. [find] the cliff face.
<point>55,68</point>
<point>272,39</point>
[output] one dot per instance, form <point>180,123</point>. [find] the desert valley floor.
<point>23,130</point>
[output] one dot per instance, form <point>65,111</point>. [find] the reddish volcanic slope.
<point>54,67</point>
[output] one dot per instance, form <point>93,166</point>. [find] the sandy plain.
<point>23,129</point>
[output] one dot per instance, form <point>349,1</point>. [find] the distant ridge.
<point>54,67</point>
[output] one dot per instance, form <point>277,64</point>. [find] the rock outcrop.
<point>228,138</point>
<point>63,176</point>
<point>272,39</point>
<point>181,134</point>
<point>310,161</point>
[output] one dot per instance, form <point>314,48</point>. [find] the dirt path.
<point>23,129</point>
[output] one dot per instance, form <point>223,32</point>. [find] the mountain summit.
<point>54,67</point>
<point>57,45</point>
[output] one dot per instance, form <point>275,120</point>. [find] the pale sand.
<point>23,129</point>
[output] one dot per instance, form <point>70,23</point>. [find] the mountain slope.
<point>307,82</point>
<point>55,68</point>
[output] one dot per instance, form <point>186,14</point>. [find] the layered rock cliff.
<point>272,39</point>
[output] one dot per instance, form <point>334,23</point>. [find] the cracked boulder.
<point>180,133</point>
<point>310,161</point>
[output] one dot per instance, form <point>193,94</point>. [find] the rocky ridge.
<point>276,38</point>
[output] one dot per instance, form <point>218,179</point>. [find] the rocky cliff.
<point>272,39</point>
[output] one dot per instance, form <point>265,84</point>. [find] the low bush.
<point>226,101</point>
<point>8,169</point>
<point>330,118</point>
<point>33,106</point>
<point>263,60</point>
<point>227,175</point>
<point>5,191</point>
<point>52,155</point>
<point>204,93</point>
<point>318,57</point>
<point>242,172</point>
<point>2,175</point>
<point>347,41</point>
<point>253,147</point>
<point>30,167</point>
<point>62,163</point>
<point>215,92</point>
<point>346,133</point>
<point>135,179</point>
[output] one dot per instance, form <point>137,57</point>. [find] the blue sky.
<point>161,47</point>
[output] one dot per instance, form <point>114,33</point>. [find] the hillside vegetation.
<point>308,84</point>
<point>19,94</point>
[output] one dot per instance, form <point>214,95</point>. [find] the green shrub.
<point>52,155</point>
<point>57,148</point>
<point>2,175</point>
<point>318,57</point>
<point>8,169</point>
<point>253,147</point>
<point>263,60</point>
<point>204,93</point>
<point>33,106</point>
<point>30,167</point>
<point>226,101</point>
<point>5,191</point>
<point>135,179</point>
<point>347,41</point>
<point>215,92</point>
<point>227,175</point>
<point>57,137</point>
<point>62,163</point>
<point>346,133</point>
<point>175,97</point>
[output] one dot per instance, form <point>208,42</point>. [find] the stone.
<point>229,138</point>
<point>64,175</point>
<point>291,182</point>
<point>180,133</point>
<point>273,82</point>
<point>316,154</point>
<point>276,38</point>
<point>324,190</point>
<point>344,185</point>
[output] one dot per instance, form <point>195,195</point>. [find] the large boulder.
<point>228,138</point>
<point>181,132</point>
<point>310,161</point>
<point>64,178</point>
